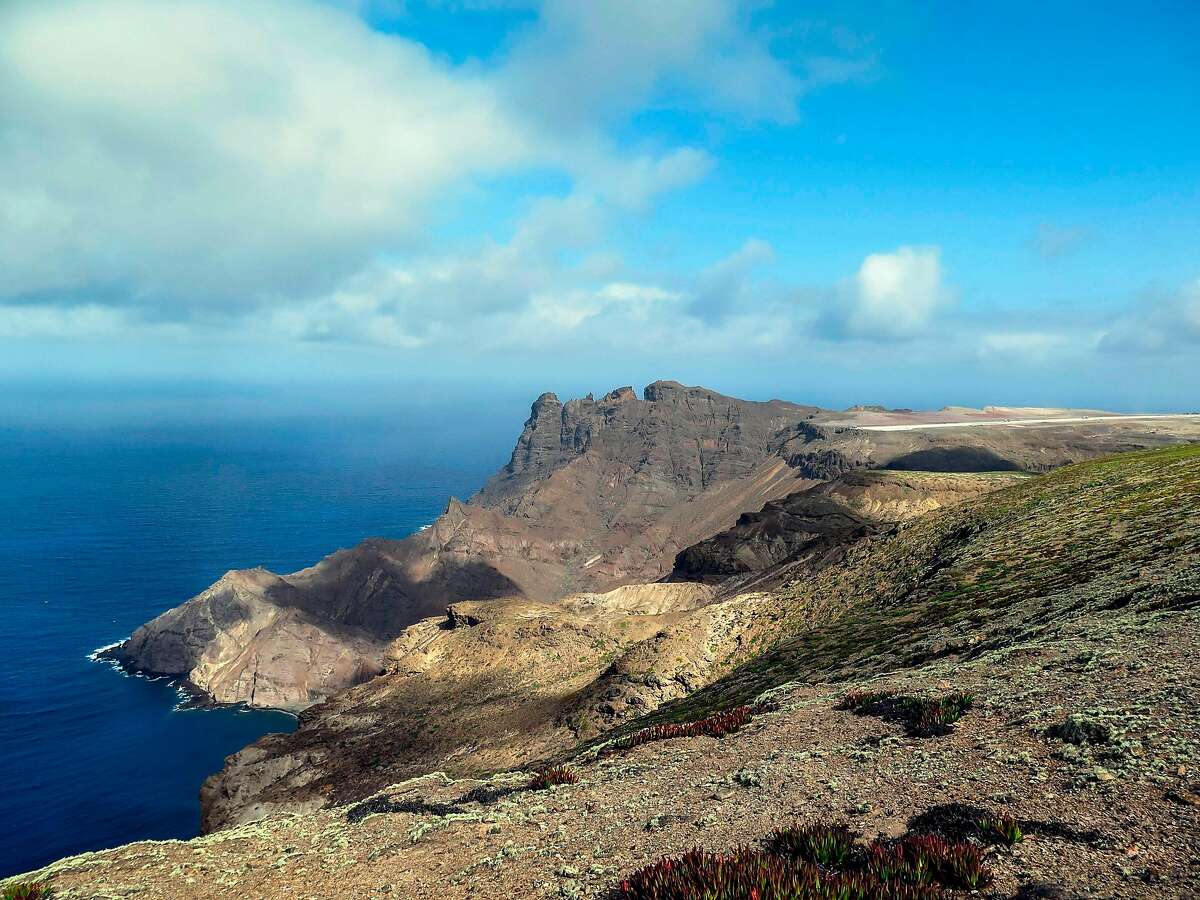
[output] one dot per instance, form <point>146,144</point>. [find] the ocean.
<point>106,524</point>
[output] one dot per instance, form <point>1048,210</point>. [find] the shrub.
<point>1002,829</point>
<point>961,866</point>
<point>750,874</point>
<point>552,776</point>
<point>1079,729</point>
<point>816,862</point>
<point>829,846</point>
<point>27,890</point>
<point>921,716</point>
<point>956,865</point>
<point>717,725</point>
<point>856,700</point>
<point>888,864</point>
<point>929,716</point>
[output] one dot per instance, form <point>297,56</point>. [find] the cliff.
<point>598,493</point>
<point>1061,610</point>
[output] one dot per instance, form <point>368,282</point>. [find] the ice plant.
<point>27,890</point>
<point>857,700</point>
<point>1002,829</point>
<point>921,716</point>
<point>815,861</point>
<point>552,776</point>
<point>717,725</point>
<point>828,846</point>
<point>956,865</point>
<point>750,874</point>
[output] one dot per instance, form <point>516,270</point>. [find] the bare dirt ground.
<point>1100,419</point>
<point>1115,815</point>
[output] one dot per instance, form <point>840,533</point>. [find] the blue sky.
<point>911,203</point>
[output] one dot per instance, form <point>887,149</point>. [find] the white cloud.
<point>893,295</point>
<point>273,169</point>
<point>1159,322</point>
<point>228,154</point>
<point>1189,307</point>
<point>617,56</point>
<point>85,320</point>
<point>1034,346</point>
<point>628,292</point>
<point>219,150</point>
<point>633,183</point>
<point>725,286</point>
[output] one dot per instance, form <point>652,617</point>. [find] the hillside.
<point>1066,605</point>
<point>1121,532</point>
<point>597,494</point>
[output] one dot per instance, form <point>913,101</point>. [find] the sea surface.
<point>103,525</point>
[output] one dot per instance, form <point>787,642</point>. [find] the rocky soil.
<point>597,494</point>
<point>1067,605</point>
<point>501,683</point>
<point>833,514</point>
<point>1114,815</point>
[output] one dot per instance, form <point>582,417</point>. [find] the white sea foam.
<point>95,654</point>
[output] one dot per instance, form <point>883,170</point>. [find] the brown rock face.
<point>639,456</point>
<point>598,493</point>
<point>522,621</point>
<point>821,518</point>
<point>491,684</point>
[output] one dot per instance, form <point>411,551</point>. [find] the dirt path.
<point>1065,420</point>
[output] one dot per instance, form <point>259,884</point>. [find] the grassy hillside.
<point>1058,620</point>
<point>1119,533</point>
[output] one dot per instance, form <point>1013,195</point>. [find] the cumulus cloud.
<point>275,168</point>
<point>633,183</point>
<point>617,56</point>
<point>1159,322</point>
<point>83,320</point>
<point>893,296</point>
<point>222,150</point>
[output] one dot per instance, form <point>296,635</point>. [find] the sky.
<point>908,203</point>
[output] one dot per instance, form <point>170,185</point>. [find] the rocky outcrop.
<point>598,493</point>
<point>485,686</point>
<point>817,521</point>
<point>623,458</point>
<point>1067,598</point>
<point>249,639</point>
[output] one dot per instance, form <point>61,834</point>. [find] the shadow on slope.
<point>953,459</point>
<point>1120,532</point>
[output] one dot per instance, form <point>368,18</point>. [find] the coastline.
<point>192,696</point>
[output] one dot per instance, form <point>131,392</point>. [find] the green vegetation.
<point>1110,534</point>
<point>816,862</point>
<point>856,701</point>
<point>929,716</point>
<point>1002,829</point>
<point>921,716</point>
<point>828,846</point>
<point>552,776</point>
<point>27,890</point>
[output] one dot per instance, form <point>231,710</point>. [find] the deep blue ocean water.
<point>103,526</point>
